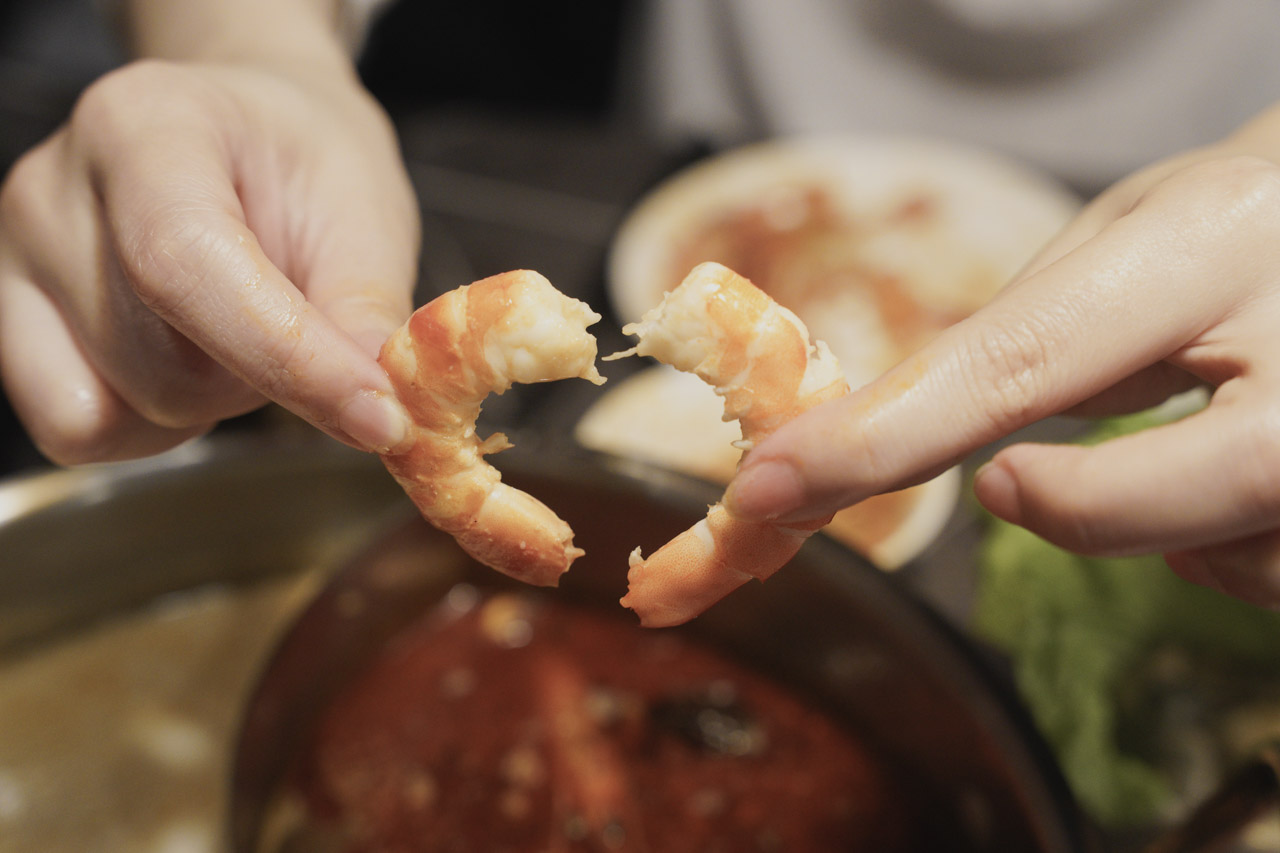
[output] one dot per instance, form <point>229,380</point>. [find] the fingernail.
<point>997,490</point>
<point>376,420</point>
<point>765,491</point>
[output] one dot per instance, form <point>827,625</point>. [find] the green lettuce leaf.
<point>1078,630</point>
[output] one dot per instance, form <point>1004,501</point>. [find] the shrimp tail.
<point>705,563</point>
<point>519,533</point>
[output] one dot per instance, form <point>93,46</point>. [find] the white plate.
<point>875,242</point>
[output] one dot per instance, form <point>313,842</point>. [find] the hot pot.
<point>81,550</point>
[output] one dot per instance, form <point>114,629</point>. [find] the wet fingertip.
<point>376,421</point>
<point>765,491</point>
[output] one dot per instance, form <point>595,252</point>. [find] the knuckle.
<point>182,407</point>
<point>1076,530</point>
<point>110,442</point>
<point>1004,371</point>
<point>1246,570</point>
<point>1056,508</point>
<point>78,447</point>
<point>78,428</point>
<point>72,444</point>
<point>113,103</point>
<point>24,195</point>
<point>1232,192</point>
<point>182,388</point>
<point>165,253</point>
<point>182,399</point>
<point>105,102</point>
<point>192,408</point>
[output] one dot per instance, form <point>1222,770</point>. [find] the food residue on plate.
<point>875,288</point>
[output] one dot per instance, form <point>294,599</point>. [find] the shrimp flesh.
<point>443,362</point>
<point>760,360</point>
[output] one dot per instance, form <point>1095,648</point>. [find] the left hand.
<point>202,237</point>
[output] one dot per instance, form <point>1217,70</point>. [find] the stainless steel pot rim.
<point>30,492</point>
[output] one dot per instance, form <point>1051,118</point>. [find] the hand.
<point>198,239</point>
<point>1169,280</point>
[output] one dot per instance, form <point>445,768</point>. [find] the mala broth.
<point>515,723</point>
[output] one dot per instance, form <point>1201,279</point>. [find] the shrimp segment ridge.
<point>451,354</point>
<point>758,357</point>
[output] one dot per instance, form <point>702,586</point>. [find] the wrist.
<point>285,35</point>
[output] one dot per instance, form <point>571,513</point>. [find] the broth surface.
<point>513,723</point>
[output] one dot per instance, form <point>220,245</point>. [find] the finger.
<point>1207,478</point>
<point>71,414</point>
<point>1154,384</point>
<point>1124,299</point>
<point>184,245</point>
<point>52,218</point>
<point>1116,201</point>
<point>363,279</point>
<point>1143,390</point>
<point>358,258</point>
<point>1248,569</point>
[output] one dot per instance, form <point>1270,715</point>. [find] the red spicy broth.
<point>514,723</point>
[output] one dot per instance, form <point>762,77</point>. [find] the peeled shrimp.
<point>760,360</point>
<point>454,351</point>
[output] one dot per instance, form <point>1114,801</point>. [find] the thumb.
<point>292,342</point>
<point>360,267</point>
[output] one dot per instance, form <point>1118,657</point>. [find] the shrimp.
<point>443,362</point>
<point>760,360</point>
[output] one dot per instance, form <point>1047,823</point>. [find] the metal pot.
<point>137,603</point>
<point>832,626</point>
<point>80,548</point>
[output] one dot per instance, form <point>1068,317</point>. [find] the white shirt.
<point>1087,89</point>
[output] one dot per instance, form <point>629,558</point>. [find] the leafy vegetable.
<point>1079,631</point>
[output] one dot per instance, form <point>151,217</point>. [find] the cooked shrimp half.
<point>760,360</point>
<point>453,352</point>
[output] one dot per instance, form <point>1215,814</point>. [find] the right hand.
<point>199,239</point>
<point>1167,281</point>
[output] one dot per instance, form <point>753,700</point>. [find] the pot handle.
<point>1215,824</point>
